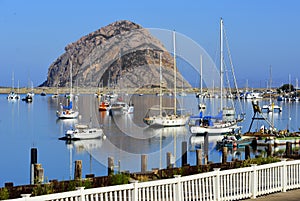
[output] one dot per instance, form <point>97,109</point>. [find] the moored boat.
<point>82,132</point>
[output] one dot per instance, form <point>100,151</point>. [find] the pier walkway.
<point>292,195</point>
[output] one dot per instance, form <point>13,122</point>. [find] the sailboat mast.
<point>201,74</point>
<point>174,46</point>
<point>71,76</point>
<point>160,90</point>
<point>221,63</point>
<point>13,81</point>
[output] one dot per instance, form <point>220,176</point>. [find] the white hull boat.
<point>166,121</point>
<point>82,132</point>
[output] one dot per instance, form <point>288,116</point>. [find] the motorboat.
<point>119,107</point>
<point>104,106</point>
<point>29,97</point>
<point>82,132</point>
<point>271,107</point>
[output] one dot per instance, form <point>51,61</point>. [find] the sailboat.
<point>201,105</point>
<point>163,119</point>
<point>224,121</point>
<point>271,107</point>
<point>67,111</point>
<point>12,95</point>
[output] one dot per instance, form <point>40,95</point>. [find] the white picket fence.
<point>234,184</point>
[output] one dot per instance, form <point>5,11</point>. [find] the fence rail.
<point>234,184</point>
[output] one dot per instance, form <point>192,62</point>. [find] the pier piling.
<point>78,170</point>
<point>288,149</point>
<point>169,160</point>
<point>110,167</point>
<point>33,160</point>
<point>247,152</point>
<point>224,155</point>
<point>184,153</point>
<point>199,156</point>
<point>269,150</point>
<point>144,163</point>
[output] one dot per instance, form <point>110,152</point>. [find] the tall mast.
<point>174,46</point>
<point>160,90</point>
<point>201,74</point>
<point>71,76</point>
<point>221,63</point>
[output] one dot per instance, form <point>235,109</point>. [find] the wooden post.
<point>38,173</point>
<point>33,160</point>
<point>78,170</point>
<point>269,150</point>
<point>199,156</point>
<point>110,165</point>
<point>144,161</point>
<point>247,152</point>
<point>184,153</point>
<point>169,158</point>
<point>206,143</point>
<point>224,155</point>
<point>288,149</point>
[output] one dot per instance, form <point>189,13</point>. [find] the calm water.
<point>26,125</point>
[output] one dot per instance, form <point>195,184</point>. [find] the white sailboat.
<point>67,111</point>
<point>271,107</point>
<point>224,121</point>
<point>163,119</point>
<point>12,95</point>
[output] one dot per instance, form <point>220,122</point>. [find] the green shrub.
<point>4,194</point>
<point>119,179</point>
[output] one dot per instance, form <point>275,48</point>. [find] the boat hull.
<point>215,130</point>
<point>168,121</point>
<point>67,114</point>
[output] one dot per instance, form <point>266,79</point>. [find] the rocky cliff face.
<point>122,54</point>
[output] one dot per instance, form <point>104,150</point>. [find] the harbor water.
<point>34,125</point>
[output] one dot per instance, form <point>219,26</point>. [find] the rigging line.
<point>232,70</point>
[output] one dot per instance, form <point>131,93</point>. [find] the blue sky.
<point>261,33</point>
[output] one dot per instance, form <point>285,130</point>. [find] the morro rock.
<point>122,54</point>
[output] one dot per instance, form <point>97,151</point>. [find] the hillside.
<point>121,54</point>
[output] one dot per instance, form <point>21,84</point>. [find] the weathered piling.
<point>199,156</point>
<point>38,173</point>
<point>288,149</point>
<point>247,152</point>
<point>33,160</point>
<point>169,160</point>
<point>269,150</point>
<point>184,153</point>
<point>110,167</point>
<point>78,170</point>
<point>144,163</point>
<point>206,143</point>
<point>224,155</point>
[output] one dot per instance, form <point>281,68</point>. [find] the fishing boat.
<point>165,119</point>
<point>83,132</point>
<point>67,111</point>
<point>225,121</point>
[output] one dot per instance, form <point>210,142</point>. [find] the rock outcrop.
<point>122,54</point>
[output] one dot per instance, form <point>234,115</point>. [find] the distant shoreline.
<point>94,90</point>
